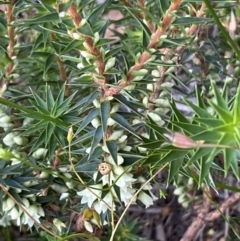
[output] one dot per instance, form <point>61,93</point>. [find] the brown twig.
<point>77,18</point>
<point>204,216</point>
<point>156,90</point>
<point>62,71</point>
<point>167,19</point>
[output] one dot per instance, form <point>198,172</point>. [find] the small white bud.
<point>130,87</point>
<point>96,38</point>
<point>59,188</point>
<point>20,140</point>
<point>110,63</point>
<point>127,148</point>
<point>150,87</point>
<point>155,117</point>
<point>182,198</point>
<point>115,135</point>
<point>8,139</point>
<point>155,73</point>
<point>120,160</point>
<point>110,121</point>
<point>115,108</point>
<point>145,101</point>
<point>27,121</point>
<point>43,175</point>
<point>5,119</point>
<point>122,139</point>
<point>179,190</point>
<point>87,55</point>
<point>40,153</point>
<point>76,35</point>
<point>88,226</point>
<point>96,122</point>
<point>162,102</point>
<point>96,103</point>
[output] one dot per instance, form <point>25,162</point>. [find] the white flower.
<point>14,214</point>
<point>146,199</point>
<point>8,204</point>
<point>5,221</point>
<point>126,195</point>
<point>91,194</point>
<point>35,211</point>
<point>103,206</point>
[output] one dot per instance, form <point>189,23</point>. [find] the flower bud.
<point>9,204</point>
<point>20,140</point>
<point>96,122</point>
<point>87,55</point>
<point>96,38</point>
<point>162,102</point>
<point>150,87</point>
<point>5,119</point>
<point>145,101</point>
<point>122,139</point>
<point>110,121</point>
<point>8,139</point>
<point>115,135</point>
<point>178,139</point>
<point>43,175</point>
<point>70,134</point>
<point>110,63</point>
<point>155,73</point>
<point>88,226</point>
<point>155,117</point>
<point>140,72</point>
<point>76,35</point>
<point>182,198</point>
<point>96,103</point>
<point>179,190</point>
<point>167,85</point>
<point>115,108</point>
<point>40,153</point>
<point>138,78</point>
<point>59,188</point>
<point>27,121</point>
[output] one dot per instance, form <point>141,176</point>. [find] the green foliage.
<point>156,87</point>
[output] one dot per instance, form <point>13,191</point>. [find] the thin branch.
<point>77,18</point>
<point>28,214</point>
<point>204,217</point>
<point>166,22</point>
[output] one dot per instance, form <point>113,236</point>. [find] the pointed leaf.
<point>225,115</point>
<point>113,149</point>
<point>123,122</point>
<point>49,99</point>
<point>98,135</point>
<point>180,117</point>
<point>219,99</point>
<point>236,106</point>
<point>49,61</point>
<point>174,169</point>
<point>92,114</point>
<point>104,113</point>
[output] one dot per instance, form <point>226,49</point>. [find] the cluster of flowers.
<point>114,177</point>
<point>12,212</point>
